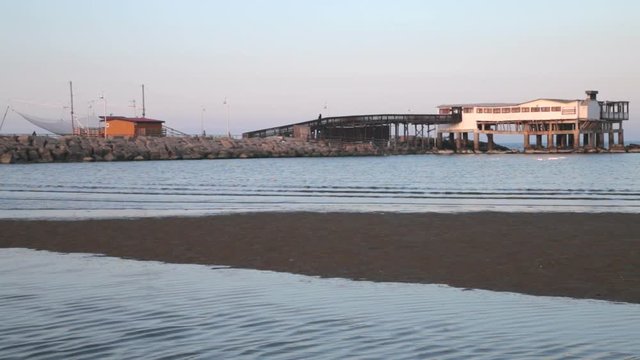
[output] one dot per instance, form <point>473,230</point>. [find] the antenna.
<point>143,108</point>
<point>73,125</point>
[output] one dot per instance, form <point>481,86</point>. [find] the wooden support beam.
<point>611,139</point>
<point>600,140</point>
<point>576,135</point>
<point>621,136</point>
<point>476,141</point>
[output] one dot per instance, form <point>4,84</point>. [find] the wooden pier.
<point>382,128</point>
<point>554,124</point>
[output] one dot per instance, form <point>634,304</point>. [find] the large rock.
<point>7,158</point>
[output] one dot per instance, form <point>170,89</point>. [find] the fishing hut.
<point>122,126</point>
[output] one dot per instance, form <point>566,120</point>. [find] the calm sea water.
<point>586,183</point>
<point>55,306</point>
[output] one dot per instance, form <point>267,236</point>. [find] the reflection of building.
<point>560,121</point>
<point>126,126</point>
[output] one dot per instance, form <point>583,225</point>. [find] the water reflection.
<point>83,306</point>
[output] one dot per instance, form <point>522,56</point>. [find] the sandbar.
<point>580,255</point>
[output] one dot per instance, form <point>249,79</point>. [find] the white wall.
<point>564,110</point>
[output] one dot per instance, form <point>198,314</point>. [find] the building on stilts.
<point>553,124</point>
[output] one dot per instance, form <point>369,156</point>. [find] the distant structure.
<point>566,124</point>
<point>390,129</point>
<point>122,126</point>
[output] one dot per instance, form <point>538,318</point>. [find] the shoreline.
<point>580,255</point>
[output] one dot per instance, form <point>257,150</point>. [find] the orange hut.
<point>132,126</point>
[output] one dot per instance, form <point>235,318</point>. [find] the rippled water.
<point>83,306</point>
<point>588,183</point>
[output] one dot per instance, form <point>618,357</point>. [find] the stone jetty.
<point>21,149</point>
<point>45,149</point>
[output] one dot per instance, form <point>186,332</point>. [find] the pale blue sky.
<point>280,61</point>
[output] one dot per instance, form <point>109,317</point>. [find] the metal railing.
<point>355,121</point>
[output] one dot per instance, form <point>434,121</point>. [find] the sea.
<point>87,306</point>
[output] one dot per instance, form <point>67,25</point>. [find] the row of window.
<point>508,110</point>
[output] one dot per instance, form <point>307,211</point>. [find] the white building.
<point>562,121</point>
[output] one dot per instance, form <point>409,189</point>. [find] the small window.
<point>555,108</point>
<point>545,109</point>
<point>467,110</point>
<point>524,109</point>
<point>535,109</point>
<point>515,110</point>
<point>506,110</point>
<point>496,111</point>
<point>568,111</point>
<point>479,110</point>
<point>445,111</point>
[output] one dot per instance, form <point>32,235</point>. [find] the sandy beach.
<point>578,255</point>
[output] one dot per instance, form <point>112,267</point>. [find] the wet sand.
<point>593,256</point>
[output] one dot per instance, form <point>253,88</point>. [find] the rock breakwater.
<point>45,149</point>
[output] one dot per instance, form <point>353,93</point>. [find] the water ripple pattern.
<point>585,183</point>
<point>82,306</point>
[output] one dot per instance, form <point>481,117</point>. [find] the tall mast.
<point>143,108</point>
<point>73,124</point>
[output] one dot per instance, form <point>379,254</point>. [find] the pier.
<point>383,129</point>
<point>553,124</point>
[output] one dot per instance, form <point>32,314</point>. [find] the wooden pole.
<point>143,107</point>
<point>6,111</point>
<point>73,124</point>
<point>611,139</point>
<point>476,141</point>
<point>620,135</point>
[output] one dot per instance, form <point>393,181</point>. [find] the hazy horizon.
<point>279,62</point>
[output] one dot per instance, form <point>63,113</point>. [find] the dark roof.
<point>131,119</point>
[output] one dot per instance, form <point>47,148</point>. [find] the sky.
<point>279,61</point>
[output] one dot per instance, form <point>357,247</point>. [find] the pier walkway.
<point>363,127</point>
